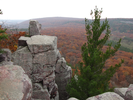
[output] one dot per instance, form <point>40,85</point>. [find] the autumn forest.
<point>72,35</point>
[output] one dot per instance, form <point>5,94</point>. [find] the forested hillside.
<point>120,28</point>
<point>71,36</point>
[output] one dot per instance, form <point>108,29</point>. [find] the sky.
<point>30,9</point>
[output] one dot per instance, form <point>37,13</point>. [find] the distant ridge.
<point>51,21</point>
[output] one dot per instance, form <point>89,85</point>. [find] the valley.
<point>71,36</point>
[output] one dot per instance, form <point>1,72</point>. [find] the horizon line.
<point>64,17</point>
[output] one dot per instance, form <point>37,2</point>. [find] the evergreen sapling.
<point>92,80</point>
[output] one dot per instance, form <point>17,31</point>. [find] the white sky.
<point>28,9</point>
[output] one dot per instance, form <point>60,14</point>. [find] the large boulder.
<point>14,83</point>
<point>38,55</point>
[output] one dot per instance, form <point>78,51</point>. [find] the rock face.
<point>5,58</point>
<point>14,83</point>
<point>34,27</point>
<point>39,57</point>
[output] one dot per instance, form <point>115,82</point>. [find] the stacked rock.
<point>39,57</point>
<point>34,28</point>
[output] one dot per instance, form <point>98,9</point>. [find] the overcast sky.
<point>29,9</point>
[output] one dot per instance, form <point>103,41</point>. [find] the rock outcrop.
<point>39,57</point>
<point>14,83</point>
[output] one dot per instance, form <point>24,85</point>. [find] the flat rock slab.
<point>42,43</point>
<point>22,41</point>
<point>14,83</point>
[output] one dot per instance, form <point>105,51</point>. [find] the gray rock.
<point>14,83</point>
<point>34,27</point>
<point>6,63</point>
<point>7,54</point>
<point>106,96</point>
<point>129,93</point>
<point>120,94</point>
<point>61,66</point>
<point>121,91</point>
<point>57,96</point>
<point>38,58</point>
<point>42,43</point>
<point>22,41</point>
<point>64,74</point>
<point>72,98</point>
<point>41,94</point>
<point>23,58</point>
<point>46,58</point>
<point>5,57</point>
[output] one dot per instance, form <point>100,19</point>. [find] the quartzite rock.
<point>14,83</point>
<point>63,75</point>
<point>34,28</point>
<point>121,91</point>
<point>38,56</point>
<point>22,41</point>
<point>42,43</point>
<point>120,94</point>
<point>129,93</point>
<point>72,98</point>
<point>23,58</point>
<point>106,96</point>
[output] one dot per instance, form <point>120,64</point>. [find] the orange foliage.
<point>12,42</point>
<point>73,72</point>
<point>70,40</point>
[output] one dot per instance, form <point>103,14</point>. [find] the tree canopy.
<point>2,34</point>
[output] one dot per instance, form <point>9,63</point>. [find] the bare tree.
<point>11,28</point>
